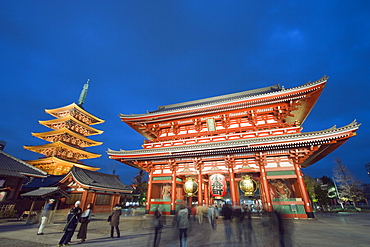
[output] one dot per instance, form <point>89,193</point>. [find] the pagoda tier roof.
<point>45,135</point>
<point>97,180</point>
<point>12,166</point>
<point>328,140</point>
<point>61,161</point>
<point>40,148</point>
<point>73,107</point>
<point>53,124</point>
<point>242,100</point>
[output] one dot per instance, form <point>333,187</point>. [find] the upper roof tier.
<point>261,96</point>
<point>303,98</point>
<point>75,111</point>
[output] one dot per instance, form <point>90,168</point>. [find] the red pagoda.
<point>243,147</point>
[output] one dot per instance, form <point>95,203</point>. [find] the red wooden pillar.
<point>190,201</point>
<point>206,194</point>
<point>198,165</point>
<point>173,194</point>
<point>303,190</point>
<point>200,189</point>
<point>230,163</point>
<point>232,187</point>
<point>267,205</point>
<point>149,195</point>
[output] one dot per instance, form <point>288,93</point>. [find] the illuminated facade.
<point>256,135</point>
<point>67,140</point>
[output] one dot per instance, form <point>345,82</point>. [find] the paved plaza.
<point>327,229</point>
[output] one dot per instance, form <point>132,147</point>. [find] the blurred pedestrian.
<point>227,213</point>
<point>158,226</point>
<point>72,220</point>
<point>239,220</point>
<point>247,225</point>
<point>217,214</point>
<point>211,216</point>
<point>85,220</point>
<point>200,213</point>
<point>45,216</point>
<point>183,224</point>
<point>193,212</point>
<point>114,220</point>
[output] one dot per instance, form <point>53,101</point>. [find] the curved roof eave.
<point>236,143</point>
<point>74,105</point>
<point>223,99</point>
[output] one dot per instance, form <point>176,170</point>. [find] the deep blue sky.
<point>142,54</point>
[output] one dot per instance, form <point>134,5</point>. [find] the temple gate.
<point>246,139</point>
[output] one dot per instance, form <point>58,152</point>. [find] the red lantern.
<point>217,185</point>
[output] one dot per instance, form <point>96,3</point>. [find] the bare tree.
<point>140,185</point>
<point>348,186</point>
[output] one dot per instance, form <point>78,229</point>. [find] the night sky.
<point>142,54</point>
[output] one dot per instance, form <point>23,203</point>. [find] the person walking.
<point>183,224</point>
<point>227,212</point>
<point>72,220</point>
<point>45,216</point>
<point>211,216</point>
<point>200,213</point>
<point>114,222</point>
<point>217,214</point>
<point>85,220</point>
<point>158,225</point>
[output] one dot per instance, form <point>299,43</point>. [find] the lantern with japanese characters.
<point>248,185</point>
<point>190,186</point>
<point>217,186</point>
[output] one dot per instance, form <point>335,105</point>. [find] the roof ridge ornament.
<point>83,94</point>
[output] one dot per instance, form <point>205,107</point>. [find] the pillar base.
<point>146,211</point>
<point>310,215</point>
<point>172,212</point>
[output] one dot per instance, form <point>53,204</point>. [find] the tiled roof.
<point>282,140</point>
<point>98,179</point>
<point>228,98</point>
<point>11,174</point>
<point>46,192</point>
<point>9,163</point>
<point>49,181</point>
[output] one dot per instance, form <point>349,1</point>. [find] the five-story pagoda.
<point>68,138</point>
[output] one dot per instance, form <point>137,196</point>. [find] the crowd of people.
<point>237,223</point>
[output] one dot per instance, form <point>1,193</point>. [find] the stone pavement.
<point>327,229</point>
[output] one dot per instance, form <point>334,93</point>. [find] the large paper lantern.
<point>190,186</point>
<point>248,185</point>
<point>217,185</point>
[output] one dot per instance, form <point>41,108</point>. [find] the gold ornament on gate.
<point>190,186</point>
<point>248,185</point>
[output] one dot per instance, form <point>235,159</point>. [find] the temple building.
<point>242,147</point>
<point>68,139</point>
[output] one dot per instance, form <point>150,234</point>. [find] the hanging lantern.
<point>248,185</point>
<point>217,185</point>
<point>190,186</point>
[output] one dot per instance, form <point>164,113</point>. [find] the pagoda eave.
<point>86,142</point>
<point>74,106</point>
